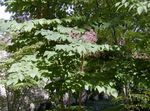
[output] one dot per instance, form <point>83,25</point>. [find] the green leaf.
<point>81,50</point>
<point>63,29</point>
<point>49,54</point>
<point>114,93</point>
<point>131,7</point>
<point>100,89</point>
<point>148,5</point>
<point>126,4</point>
<point>123,1</point>
<point>21,77</point>
<point>117,4</point>
<point>140,10</point>
<point>12,81</point>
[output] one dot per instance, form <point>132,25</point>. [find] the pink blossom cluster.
<point>75,35</point>
<point>90,36</point>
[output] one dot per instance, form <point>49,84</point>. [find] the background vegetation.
<point>72,45</point>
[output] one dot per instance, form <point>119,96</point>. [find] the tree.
<point>103,43</point>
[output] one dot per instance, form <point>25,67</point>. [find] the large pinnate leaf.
<point>22,70</point>
<point>84,48</point>
<point>54,36</point>
<point>108,90</point>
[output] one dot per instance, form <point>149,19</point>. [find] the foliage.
<point>59,58</point>
<point>140,6</point>
<point>99,45</point>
